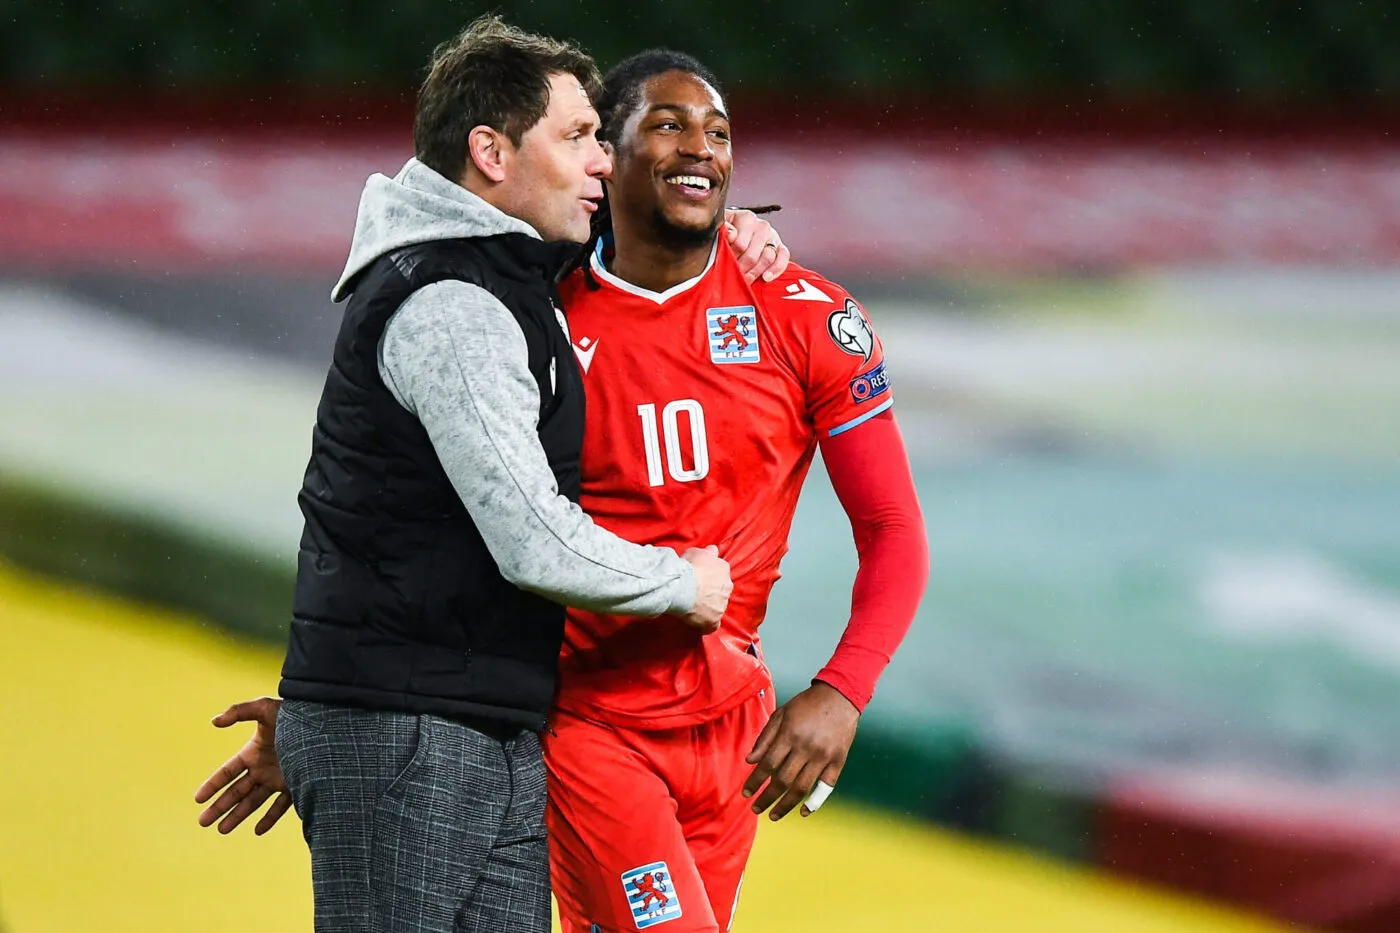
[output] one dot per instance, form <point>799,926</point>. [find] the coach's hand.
<point>756,245</point>
<point>249,778</point>
<point>712,588</point>
<point>806,740</point>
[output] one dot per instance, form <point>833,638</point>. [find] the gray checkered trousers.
<point>417,824</point>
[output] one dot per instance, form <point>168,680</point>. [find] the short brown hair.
<point>495,75</point>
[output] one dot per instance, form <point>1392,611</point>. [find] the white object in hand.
<point>818,796</point>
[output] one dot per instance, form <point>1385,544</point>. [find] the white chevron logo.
<point>804,290</point>
<point>584,350</point>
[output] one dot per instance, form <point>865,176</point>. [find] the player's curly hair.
<point>622,85</point>
<point>619,98</point>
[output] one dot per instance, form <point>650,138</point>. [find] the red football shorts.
<point>651,828</point>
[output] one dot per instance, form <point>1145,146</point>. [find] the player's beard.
<point>678,238</point>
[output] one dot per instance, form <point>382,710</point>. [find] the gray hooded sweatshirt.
<point>456,359</point>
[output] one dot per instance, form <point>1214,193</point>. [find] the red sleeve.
<point>869,470</point>
<point>842,362</point>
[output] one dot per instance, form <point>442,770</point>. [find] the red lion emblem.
<point>646,884</point>
<point>733,328</point>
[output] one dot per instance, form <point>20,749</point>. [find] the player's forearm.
<point>869,470</point>
<point>454,356</point>
<point>888,588</point>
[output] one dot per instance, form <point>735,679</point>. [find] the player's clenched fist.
<point>712,588</point>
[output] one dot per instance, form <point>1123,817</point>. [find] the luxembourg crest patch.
<point>733,334</point>
<point>651,895</point>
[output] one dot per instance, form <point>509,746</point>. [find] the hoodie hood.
<point>417,206</point>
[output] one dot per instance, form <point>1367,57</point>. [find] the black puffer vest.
<point>399,604</point>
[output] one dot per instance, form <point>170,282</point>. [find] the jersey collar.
<point>602,273</point>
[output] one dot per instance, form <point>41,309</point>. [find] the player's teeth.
<point>695,181</point>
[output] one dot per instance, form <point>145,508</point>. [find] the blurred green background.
<point>1137,269</point>
<point>1261,49</point>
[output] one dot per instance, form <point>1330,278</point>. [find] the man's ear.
<point>611,152</point>
<point>488,151</point>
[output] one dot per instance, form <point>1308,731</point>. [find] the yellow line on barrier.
<point>104,710</point>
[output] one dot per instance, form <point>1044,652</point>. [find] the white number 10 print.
<point>671,431</point>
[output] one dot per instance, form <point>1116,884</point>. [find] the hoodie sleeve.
<point>456,359</point>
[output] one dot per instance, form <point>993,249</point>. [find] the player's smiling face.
<point>673,159</point>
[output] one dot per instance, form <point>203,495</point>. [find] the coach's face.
<point>555,176</point>
<point>673,159</point>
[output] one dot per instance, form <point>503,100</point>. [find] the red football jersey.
<point>705,404</point>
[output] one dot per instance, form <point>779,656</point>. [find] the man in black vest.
<point>442,529</point>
